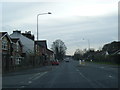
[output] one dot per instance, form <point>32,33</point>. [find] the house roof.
<point>28,35</point>
<point>26,42</point>
<point>50,51</point>
<point>117,52</point>
<point>14,39</point>
<point>3,34</point>
<point>42,43</point>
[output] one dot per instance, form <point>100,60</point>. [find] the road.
<point>66,75</point>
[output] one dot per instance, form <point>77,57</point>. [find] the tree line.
<point>109,53</point>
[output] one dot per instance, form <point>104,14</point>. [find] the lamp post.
<point>37,20</point>
<point>88,43</point>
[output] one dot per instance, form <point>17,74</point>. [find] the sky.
<point>75,22</point>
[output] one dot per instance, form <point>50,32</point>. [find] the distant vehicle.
<point>67,60</point>
<point>55,62</point>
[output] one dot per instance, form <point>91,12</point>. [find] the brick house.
<point>6,51</point>
<point>50,56</point>
<point>43,52</point>
<point>40,51</point>
<point>16,51</point>
<point>27,41</point>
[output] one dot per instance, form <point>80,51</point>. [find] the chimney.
<point>17,31</point>
<point>28,35</point>
<point>29,32</point>
<point>25,31</point>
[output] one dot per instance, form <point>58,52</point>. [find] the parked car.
<point>66,60</point>
<point>55,62</point>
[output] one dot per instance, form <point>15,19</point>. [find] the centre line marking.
<point>29,81</point>
<point>40,76</point>
<point>109,76</point>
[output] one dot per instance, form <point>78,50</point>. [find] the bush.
<point>114,58</point>
<point>109,58</point>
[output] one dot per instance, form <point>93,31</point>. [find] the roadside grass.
<point>108,63</point>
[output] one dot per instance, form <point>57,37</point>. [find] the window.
<point>18,61</point>
<point>17,48</point>
<point>4,45</point>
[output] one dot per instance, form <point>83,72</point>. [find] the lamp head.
<point>49,13</point>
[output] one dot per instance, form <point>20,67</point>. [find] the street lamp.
<point>88,43</point>
<point>37,20</point>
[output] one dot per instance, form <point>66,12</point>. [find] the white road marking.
<point>109,76</point>
<point>102,85</point>
<point>92,84</point>
<point>22,86</point>
<point>39,76</point>
<point>29,82</point>
<point>102,67</point>
<point>34,75</point>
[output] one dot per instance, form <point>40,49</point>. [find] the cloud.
<point>65,23</point>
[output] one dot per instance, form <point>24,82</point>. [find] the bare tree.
<point>59,49</point>
<point>78,54</point>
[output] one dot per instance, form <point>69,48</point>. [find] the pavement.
<point>66,75</point>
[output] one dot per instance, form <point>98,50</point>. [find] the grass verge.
<point>108,63</point>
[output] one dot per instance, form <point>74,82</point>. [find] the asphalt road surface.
<point>66,75</point>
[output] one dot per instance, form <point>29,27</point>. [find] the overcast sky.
<point>70,21</point>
